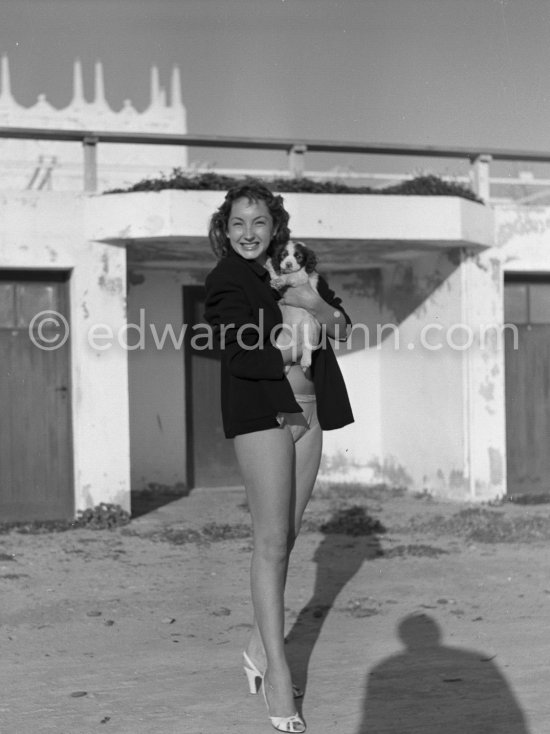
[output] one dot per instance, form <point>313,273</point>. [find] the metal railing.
<point>296,150</point>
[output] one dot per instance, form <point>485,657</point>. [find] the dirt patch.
<point>419,551</point>
<point>211,532</point>
<point>483,525</point>
<point>101,517</point>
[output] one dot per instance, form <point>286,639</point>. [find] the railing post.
<point>481,181</point>
<point>296,156</point>
<point>90,163</point>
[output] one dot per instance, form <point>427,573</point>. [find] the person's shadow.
<point>429,688</point>
<point>338,557</point>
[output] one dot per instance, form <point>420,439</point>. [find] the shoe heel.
<point>254,680</point>
<point>293,724</point>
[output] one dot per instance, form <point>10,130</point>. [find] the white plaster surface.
<point>522,238</point>
<point>434,419</point>
<point>46,231</point>
<point>172,213</point>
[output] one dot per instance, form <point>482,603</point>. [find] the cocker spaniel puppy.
<point>291,265</point>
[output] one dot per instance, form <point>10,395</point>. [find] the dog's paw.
<point>305,361</point>
<point>298,278</point>
<point>278,283</point>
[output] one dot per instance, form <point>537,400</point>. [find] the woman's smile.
<point>250,229</point>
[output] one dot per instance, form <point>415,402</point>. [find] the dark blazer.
<point>242,309</point>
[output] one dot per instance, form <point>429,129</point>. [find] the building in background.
<point>57,166</point>
<point>104,391</point>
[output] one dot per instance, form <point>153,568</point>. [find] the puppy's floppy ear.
<point>311,260</point>
<point>276,256</point>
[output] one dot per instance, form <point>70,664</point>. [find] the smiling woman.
<point>274,416</point>
<point>250,229</point>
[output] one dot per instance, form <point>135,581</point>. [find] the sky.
<point>423,72</point>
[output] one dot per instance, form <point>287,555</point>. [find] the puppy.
<point>291,265</point>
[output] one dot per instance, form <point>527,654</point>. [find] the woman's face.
<point>250,229</point>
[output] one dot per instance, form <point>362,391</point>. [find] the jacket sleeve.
<point>328,295</point>
<point>245,343</point>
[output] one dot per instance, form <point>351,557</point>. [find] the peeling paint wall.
<point>347,453</point>
<point>424,419</point>
<point>429,416</point>
<point>441,398</point>
<point>412,421</point>
<point>522,236</point>
<point>422,416</point>
<point>484,375</point>
<point>42,230</point>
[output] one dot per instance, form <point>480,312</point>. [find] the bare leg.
<point>306,466</point>
<point>266,461</point>
<point>308,458</point>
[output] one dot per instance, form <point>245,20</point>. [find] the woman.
<point>275,418</point>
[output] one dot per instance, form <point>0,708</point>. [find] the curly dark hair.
<point>253,190</point>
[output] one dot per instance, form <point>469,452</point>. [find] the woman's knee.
<point>273,546</point>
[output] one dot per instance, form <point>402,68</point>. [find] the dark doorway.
<point>210,456</point>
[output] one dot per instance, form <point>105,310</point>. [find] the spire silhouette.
<point>175,96</point>
<point>78,86</point>
<point>99,91</point>
<point>154,86</point>
<point>5,88</point>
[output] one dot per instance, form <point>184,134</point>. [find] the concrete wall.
<point>349,452</point>
<point>47,231</point>
<point>393,260</point>
<point>425,418</point>
<point>427,381</point>
<point>442,382</point>
<point>522,238</point>
<point>439,221</point>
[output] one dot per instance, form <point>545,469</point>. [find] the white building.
<point>57,166</point>
<point>103,391</point>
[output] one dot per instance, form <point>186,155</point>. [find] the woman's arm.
<point>324,305</point>
<point>248,348</point>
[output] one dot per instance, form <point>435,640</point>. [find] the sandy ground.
<point>434,626</point>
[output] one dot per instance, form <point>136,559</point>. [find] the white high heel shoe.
<point>293,724</point>
<point>255,677</point>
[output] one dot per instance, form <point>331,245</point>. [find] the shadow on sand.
<point>338,558</point>
<point>429,688</point>
<point>148,500</point>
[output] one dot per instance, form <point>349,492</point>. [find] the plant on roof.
<point>423,185</point>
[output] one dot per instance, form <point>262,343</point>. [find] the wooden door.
<point>527,363</point>
<point>210,456</point>
<point>35,425</point>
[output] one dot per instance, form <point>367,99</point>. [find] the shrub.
<point>426,185</point>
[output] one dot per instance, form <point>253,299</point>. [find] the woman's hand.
<point>301,296</point>
<point>304,296</point>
